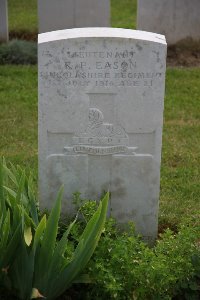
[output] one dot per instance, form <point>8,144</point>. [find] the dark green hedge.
<point>18,52</point>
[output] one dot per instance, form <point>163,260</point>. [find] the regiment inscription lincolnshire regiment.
<point>101,99</point>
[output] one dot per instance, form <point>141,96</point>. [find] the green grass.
<point>180,188</point>
<point>123,13</point>
<point>23,14</point>
<point>180,174</point>
<point>18,115</point>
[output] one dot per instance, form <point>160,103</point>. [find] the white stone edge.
<point>103,32</point>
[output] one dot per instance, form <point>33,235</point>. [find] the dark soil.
<point>186,53</point>
<point>76,292</point>
<point>163,226</point>
<point>23,35</point>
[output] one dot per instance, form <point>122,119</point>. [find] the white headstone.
<point>101,94</point>
<point>176,19</point>
<point>62,14</point>
<point>3,21</point>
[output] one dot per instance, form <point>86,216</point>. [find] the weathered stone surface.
<point>101,94</point>
<point>62,14</point>
<point>3,21</point>
<point>176,19</point>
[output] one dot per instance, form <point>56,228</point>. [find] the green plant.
<point>18,52</point>
<point>124,267</point>
<point>42,265</point>
<point>9,230</point>
<point>18,211</point>
<point>86,207</point>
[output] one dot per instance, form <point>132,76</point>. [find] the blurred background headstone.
<point>3,21</point>
<point>176,19</point>
<point>62,14</point>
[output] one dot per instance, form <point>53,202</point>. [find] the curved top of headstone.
<point>100,32</point>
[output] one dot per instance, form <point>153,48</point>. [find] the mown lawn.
<point>18,115</point>
<point>180,172</point>
<point>23,14</point>
<point>123,13</point>
<point>180,188</point>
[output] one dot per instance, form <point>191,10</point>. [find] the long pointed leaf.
<point>28,236</point>
<point>58,261</point>
<point>47,246</point>
<point>32,202</point>
<point>5,234</point>
<point>11,175</point>
<point>22,272</point>
<point>39,231</point>
<point>83,252</point>
<point>2,200</point>
<point>12,246</point>
<point>20,189</point>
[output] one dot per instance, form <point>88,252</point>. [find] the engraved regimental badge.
<point>99,137</point>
